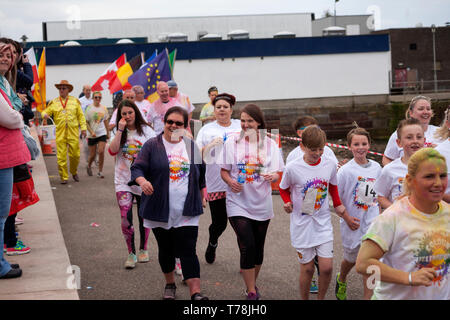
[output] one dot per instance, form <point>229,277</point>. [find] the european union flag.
<point>153,72</point>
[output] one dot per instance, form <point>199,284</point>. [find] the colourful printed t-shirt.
<point>179,167</point>
<point>298,153</point>
<point>390,182</point>
<point>95,117</point>
<point>412,240</point>
<point>310,219</point>
<point>126,156</point>
<point>393,151</point>
<point>255,200</point>
<point>209,132</point>
<point>155,115</point>
<point>144,106</point>
<point>444,149</point>
<point>356,190</point>
<point>207,111</point>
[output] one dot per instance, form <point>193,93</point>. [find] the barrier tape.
<point>333,145</point>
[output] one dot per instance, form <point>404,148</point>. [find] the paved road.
<point>100,252</point>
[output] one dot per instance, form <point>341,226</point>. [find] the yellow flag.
<point>39,88</point>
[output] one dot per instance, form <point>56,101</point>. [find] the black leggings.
<point>251,235</point>
<point>9,234</point>
<point>218,219</point>
<point>178,242</point>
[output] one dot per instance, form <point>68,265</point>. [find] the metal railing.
<point>416,87</point>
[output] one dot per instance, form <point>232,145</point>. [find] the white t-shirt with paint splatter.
<point>126,156</point>
<point>209,132</point>
<point>255,200</point>
<point>356,190</point>
<point>390,182</point>
<point>310,224</point>
<point>412,240</point>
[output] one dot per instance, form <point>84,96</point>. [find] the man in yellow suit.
<point>68,116</point>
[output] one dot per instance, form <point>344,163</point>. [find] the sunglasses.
<point>178,123</point>
<point>97,97</point>
<point>63,88</point>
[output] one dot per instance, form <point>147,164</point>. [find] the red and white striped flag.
<point>32,60</point>
<point>107,77</point>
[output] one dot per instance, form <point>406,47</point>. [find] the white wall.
<point>259,26</point>
<point>253,79</point>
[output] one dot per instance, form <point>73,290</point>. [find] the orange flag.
<point>39,88</point>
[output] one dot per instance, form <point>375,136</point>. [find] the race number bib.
<point>309,201</point>
<point>365,194</point>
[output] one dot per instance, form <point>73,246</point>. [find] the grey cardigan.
<point>152,164</point>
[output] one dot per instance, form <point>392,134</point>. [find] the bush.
<point>397,111</point>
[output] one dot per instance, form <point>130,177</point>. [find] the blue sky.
<point>26,16</point>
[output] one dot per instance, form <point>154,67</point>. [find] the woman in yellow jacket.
<point>68,116</point>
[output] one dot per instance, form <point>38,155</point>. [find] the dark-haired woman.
<point>171,173</point>
<point>210,139</point>
<point>251,161</point>
<point>132,133</point>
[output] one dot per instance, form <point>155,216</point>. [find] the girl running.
<point>132,133</point>
<point>407,246</point>
<point>251,161</point>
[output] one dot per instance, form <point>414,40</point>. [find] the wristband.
<point>410,279</point>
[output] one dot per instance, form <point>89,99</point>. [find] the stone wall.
<point>377,114</point>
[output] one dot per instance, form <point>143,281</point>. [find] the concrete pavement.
<point>45,267</point>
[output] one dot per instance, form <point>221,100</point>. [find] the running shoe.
<point>169,291</point>
<point>143,256</point>
<point>257,293</point>
<point>19,249</point>
<point>199,296</point>
<point>178,270</point>
<point>89,171</point>
<point>131,261</point>
<point>341,289</point>
<point>252,296</point>
<point>210,254</point>
<point>100,175</point>
<point>314,288</point>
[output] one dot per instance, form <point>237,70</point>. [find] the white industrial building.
<point>193,28</point>
<point>254,69</point>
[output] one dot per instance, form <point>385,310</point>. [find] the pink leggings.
<point>125,200</point>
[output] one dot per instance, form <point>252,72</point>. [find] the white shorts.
<point>351,254</point>
<point>324,250</point>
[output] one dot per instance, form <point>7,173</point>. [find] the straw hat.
<point>64,83</point>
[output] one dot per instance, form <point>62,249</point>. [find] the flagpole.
<point>335,23</point>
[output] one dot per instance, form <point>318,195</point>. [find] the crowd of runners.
<point>394,215</point>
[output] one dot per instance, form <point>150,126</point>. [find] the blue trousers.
<point>6,186</point>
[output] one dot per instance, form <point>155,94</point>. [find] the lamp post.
<point>335,12</point>
<point>433,31</point>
